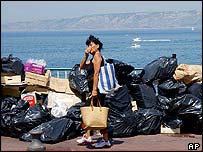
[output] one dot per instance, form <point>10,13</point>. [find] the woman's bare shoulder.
<point>98,56</point>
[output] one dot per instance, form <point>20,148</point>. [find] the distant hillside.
<point>122,21</point>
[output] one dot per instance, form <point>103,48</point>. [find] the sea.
<point>134,47</point>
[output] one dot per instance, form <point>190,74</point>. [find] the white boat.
<point>137,39</point>
<point>135,46</point>
<point>193,28</point>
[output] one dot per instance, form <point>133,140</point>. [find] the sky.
<point>18,11</point>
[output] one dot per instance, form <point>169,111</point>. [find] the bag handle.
<point>98,103</point>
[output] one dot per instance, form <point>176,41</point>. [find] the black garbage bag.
<point>6,130</point>
<point>172,121</point>
<point>171,88</point>
<point>78,79</point>
<point>181,105</point>
<point>161,68</point>
<point>13,65</point>
<point>74,114</point>
<point>164,103</point>
<point>191,124</point>
<point>195,89</point>
<point>144,95</point>
<point>190,105</point>
<point>32,117</point>
<point>7,104</point>
<point>22,105</point>
<point>54,131</point>
<point>121,124</point>
<point>119,101</point>
<point>121,70</point>
<point>11,108</point>
<point>148,121</point>
<point>42,98</point>
<point>135,78</point>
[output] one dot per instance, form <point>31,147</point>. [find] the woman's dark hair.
<point>95,41</point>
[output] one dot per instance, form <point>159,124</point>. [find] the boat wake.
<point>152,40</point>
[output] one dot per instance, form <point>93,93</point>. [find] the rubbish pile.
<point>166,95</point>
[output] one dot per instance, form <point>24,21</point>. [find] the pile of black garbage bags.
<point>12,65</point>
<point>160,99</point>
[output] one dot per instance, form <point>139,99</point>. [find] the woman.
<point>93,68</point>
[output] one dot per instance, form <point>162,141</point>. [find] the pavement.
<point>158,142</point>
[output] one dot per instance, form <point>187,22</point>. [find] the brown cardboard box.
<point>11,91</point>
<point>7,74</point>
<point>37,79</point>
<point>37,89</point>
<point>10,79</point>
<point>60,85</point>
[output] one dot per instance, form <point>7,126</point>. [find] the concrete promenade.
<point>158,142</point>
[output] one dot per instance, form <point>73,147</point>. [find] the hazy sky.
<point>12,11</point>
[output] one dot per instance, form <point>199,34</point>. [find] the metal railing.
<point>60,72</point>
<point>64,72</point>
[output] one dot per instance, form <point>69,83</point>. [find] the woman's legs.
<point>105,134</point>
<point>87,133</point>
<point>86,138</point>
<point>105,141</point>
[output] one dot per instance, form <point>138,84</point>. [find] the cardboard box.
<point>37,89</point>
<point>169,130</point>
<point>11,91</point>
<point>10,79</point>
<point>60,85</point>
<point>7,74</point>
<point>37,79</point>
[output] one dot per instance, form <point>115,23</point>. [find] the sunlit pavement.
<point>159,142</point>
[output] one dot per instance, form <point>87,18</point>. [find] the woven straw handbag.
<point>94,117</point>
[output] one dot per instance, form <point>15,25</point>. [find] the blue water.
<point>64,49</point>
